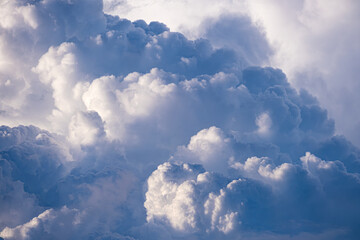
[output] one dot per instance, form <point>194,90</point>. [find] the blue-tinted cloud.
<point>312,41</point>
<point>150,135</point>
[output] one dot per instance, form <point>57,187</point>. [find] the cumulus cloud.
<point>21,231</point>
<point>189,199</point>
<point>208,147</point>
<point>142,133</point>
<point>50,191</point>
<point>300,29</point>
<point>314,42</point>
<point>26,172</point>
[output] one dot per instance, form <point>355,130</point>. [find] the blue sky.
<point>178,120</point>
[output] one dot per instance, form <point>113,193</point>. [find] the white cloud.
<point>16,15</point>
<point>86,128</point>
<point>168,12</point>
<point>130,108</point>
<point>21,231</point>
<point>178,194</point>
<point>263,122</point>
<point>208,147</point>
<point>185,196</point>
<point>314,42</point>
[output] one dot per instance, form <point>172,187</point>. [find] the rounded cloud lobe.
<point>131,131</point>
<point>316,43</point>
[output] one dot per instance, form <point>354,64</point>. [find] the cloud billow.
<point>141,133</point>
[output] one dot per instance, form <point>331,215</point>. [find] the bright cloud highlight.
<point>119,129</point>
